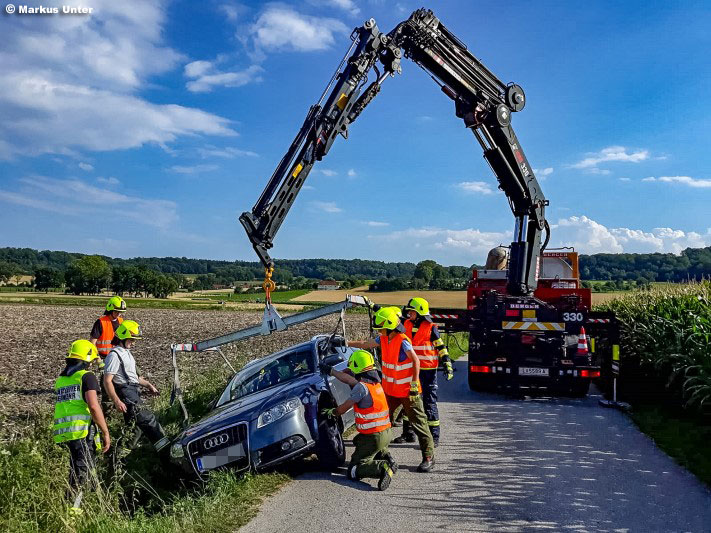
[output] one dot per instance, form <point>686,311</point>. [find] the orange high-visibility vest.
<point>376,418</point>
<point>422,344</point>
<point>103,344</point>
<point>396,375</point>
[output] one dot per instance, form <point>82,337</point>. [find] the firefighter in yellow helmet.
<point>104,329</point>
<point>401,377</point>
<point>371,458</point>
<point>77,413</point>
<point>122,382</point>
<point>430,351</point>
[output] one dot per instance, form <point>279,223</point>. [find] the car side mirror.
<point>333,359</point>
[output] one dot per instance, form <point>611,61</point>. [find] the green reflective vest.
<point>71,413</point>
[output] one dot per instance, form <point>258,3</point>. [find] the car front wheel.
<point>330,448</point>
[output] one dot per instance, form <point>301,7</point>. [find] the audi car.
<point>269,413</point>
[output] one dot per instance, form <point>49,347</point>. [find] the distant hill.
<point>692,263</point>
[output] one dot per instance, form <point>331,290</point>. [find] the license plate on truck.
<point>529,371</point>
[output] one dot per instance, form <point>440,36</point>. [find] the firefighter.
<point>77,413</point>
<point>121,380</point>
<point>102,334</point>
<point>371,458</point>
<point>401,373</point>
<point>430,350</point>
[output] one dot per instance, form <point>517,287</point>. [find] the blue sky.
<point>146,128</point>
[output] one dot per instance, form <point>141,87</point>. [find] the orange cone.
<point>582,343</point>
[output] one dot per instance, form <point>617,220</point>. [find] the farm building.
<point>328,285</point>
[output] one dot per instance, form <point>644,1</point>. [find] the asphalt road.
<point>507,464</point>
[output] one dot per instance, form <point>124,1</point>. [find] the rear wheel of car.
<point>580,390</point>
<point>330,448</point>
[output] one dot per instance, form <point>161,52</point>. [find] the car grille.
<point>214,442</point>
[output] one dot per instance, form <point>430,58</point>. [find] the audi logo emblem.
<point>213,442</point>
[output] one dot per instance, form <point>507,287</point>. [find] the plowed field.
<point>34,341</point>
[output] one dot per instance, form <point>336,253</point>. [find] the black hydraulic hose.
<point>548,236</point>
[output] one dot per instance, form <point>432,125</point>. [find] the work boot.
<point>351,472</point>
<point>388,458</point>
<point>426,464</point>
<point>405,437</point>
<point>385,477</point>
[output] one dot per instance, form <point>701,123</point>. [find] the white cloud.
<point>328,207</point>
<point>194,169</point>
<point>684,180</point>
<point>352,173</point>
<point>466,244</point>
<point>68,83</point>
<point>625,179</point>
<point>86,167</point>
<point>206,76</point>
<point>376,224</point>
<point>280,27</point>
<point>475,187</point>
<point>589,236</point>
<point>543,173</point>
<point>56,195</point>
<point>228,152</point>
<point>346,5</point>
<point>108,181</point>
<point>307,188</point>
<point>610,154</point>
<point>232,11</point>
<point>328,172</point>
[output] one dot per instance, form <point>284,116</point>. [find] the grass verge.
<point>682,434</point>
<point>135,494</point>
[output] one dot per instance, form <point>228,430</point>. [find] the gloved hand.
<point>448,370</point>
<point>414,389</point>
<point>329,412</point>
<point>325,368</point>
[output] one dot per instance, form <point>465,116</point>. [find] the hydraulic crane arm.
<point>485,104</point>
<point>323,123</point>
<point>481,100</point>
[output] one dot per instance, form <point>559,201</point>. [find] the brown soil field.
<point>455,299</point>
<point>602,297</point>
<point>35,340</point>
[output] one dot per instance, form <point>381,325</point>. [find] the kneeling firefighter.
<point>430,350</point>
<point>122,383</point>
<point>77,413</point>
<point>371,458</point>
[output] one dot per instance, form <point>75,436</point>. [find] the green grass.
<point>683,435</point>
<point>458,344</point>
<point>138,496</point>
<point>277,296</point>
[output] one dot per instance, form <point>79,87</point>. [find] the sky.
<point>146,128</point>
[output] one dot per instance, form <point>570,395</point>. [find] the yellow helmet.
<point>419,306</point>
<point>386,318</point>
<point>360,360</point>
<point>129,329</point>
<point>116,303</point>
<point>83,350</point>
<point>396,310</point>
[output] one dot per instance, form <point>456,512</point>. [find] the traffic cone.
<point>582,343</point>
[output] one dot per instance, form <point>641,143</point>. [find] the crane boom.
<point>482,101</point>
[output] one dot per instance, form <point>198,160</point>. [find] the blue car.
<point>270,413</point>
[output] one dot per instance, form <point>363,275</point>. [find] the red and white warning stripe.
<point>599,320</point>
<point>445,316</point>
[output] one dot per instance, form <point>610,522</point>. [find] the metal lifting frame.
<point>266,328</point>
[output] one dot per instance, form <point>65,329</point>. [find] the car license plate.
<point>198,463</point>
<point>529,371</point>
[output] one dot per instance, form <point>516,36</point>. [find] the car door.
<point>341,392</point>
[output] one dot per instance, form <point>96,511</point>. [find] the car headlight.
<point>278,411</point>
<point>176,451</point>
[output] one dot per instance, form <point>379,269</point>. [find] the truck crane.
<point>545,342</point>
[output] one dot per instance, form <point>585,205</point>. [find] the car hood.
<point>246,408</point>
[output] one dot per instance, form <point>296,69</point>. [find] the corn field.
<point>666,343</point>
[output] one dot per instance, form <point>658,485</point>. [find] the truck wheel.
<point>479,383</point>
<point>330,448</point>
<point>580,390</point>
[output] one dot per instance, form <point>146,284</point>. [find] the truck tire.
<point>580,390</point>
<point>479,383</point>
<point>330,448</point>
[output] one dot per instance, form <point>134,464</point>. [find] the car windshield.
<point>270,373</point>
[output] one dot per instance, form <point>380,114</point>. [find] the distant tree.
<point>162,286</point>
<point>425,270</point>
<point>89,274</point>
<point>9,269</point>
<point>124,279</point>
<point>48,278</point>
